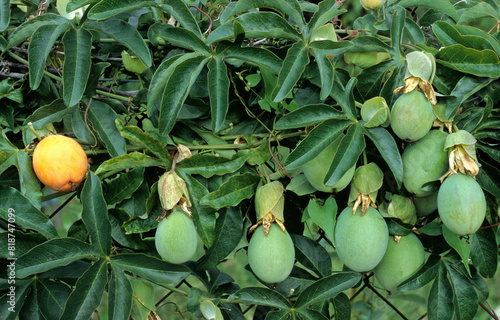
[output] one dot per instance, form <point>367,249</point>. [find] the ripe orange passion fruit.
<point>60,163</point>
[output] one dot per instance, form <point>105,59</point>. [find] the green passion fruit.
<point>424,161</point>
<point>271,257</point>
<point>411,116</point>
<point>461,204</point>
<point>176,238</point>
<point>317,169</point>
<point>372,4</point>
<point>361,241</point>
<point>426,205</point>
<point>400,262</point>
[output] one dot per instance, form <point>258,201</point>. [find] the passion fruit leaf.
<point>87,293</point>
<point>136,135</point>
<point>257,25</point>
<point>481,63</point>
<point>484,252</point>
<point>209,165</point>
<point>120,296</point>
<point>316,141</point>
<point>326,288</point>
<point>218,84</point>
<point>324,216</point>
<point>183,38</point>
<point>107,9</point>
<point>262,297</point>
<point>444,7</point>
<point>24,243</point>
<point>308,115</point>
<point>300,186</point>
<point>40,46</point>
<point>176,91</point>
<point>326,71</point>
<point>342,306</point>
<point>4,15</point>
<point>295,62</point>
<point>77,62</point>
<point>344,95</point>
<point>51,297</point>
<point>284,7</point>
<point>427,273</point>
<point>25,30</point>
<point>123,186</point>
<point>203,216</point>
<point>312,255</point>
<point>465,300</point>
<point>327,10</point>
<point>130,160</point>
<point>388,149</point>
<point>228,232</point>
<point>460,244</point>
<point>448,35</point>
<point>233,191</point>
<point>413,32</point>
<point>439,305</point>
<point>464,88</point>
<point>350,148</point>
<point>480,10</point>
<point>95,213</point>
<point>397,27</point>
<point>26,215</point>
<point>489,179</point>
<point>256,56</point>
<point>150,268</point>
<point>64,251</point>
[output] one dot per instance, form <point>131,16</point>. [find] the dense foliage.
<point>244,92</point>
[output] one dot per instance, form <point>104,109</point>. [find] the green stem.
<point>365,159</point>
<point>57,78</point>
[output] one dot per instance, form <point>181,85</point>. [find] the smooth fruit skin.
<point>176,238</point>
<point>271,257</point>
<point>461,204</point>
<point>317,169</point>
<point>400,262</point>
<point>60,163</point>
<point>361,241</point>
<point>372,4</point>
<point>424,161</point>
<point>411,116</point>
<point>426,205</point>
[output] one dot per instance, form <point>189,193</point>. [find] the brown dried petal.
<point>428,91</point>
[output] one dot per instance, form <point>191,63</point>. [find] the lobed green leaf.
<point>228,232</point>
<point>53,253</point>
<point>233,191</point>
<point>86,296</point>
<point>151,268</point>
<point>15,208</point>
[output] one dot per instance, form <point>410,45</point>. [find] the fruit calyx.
<point>421,67</point>
<point>365,184</point>
<point>269,206</point>
<point>461,146</point>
